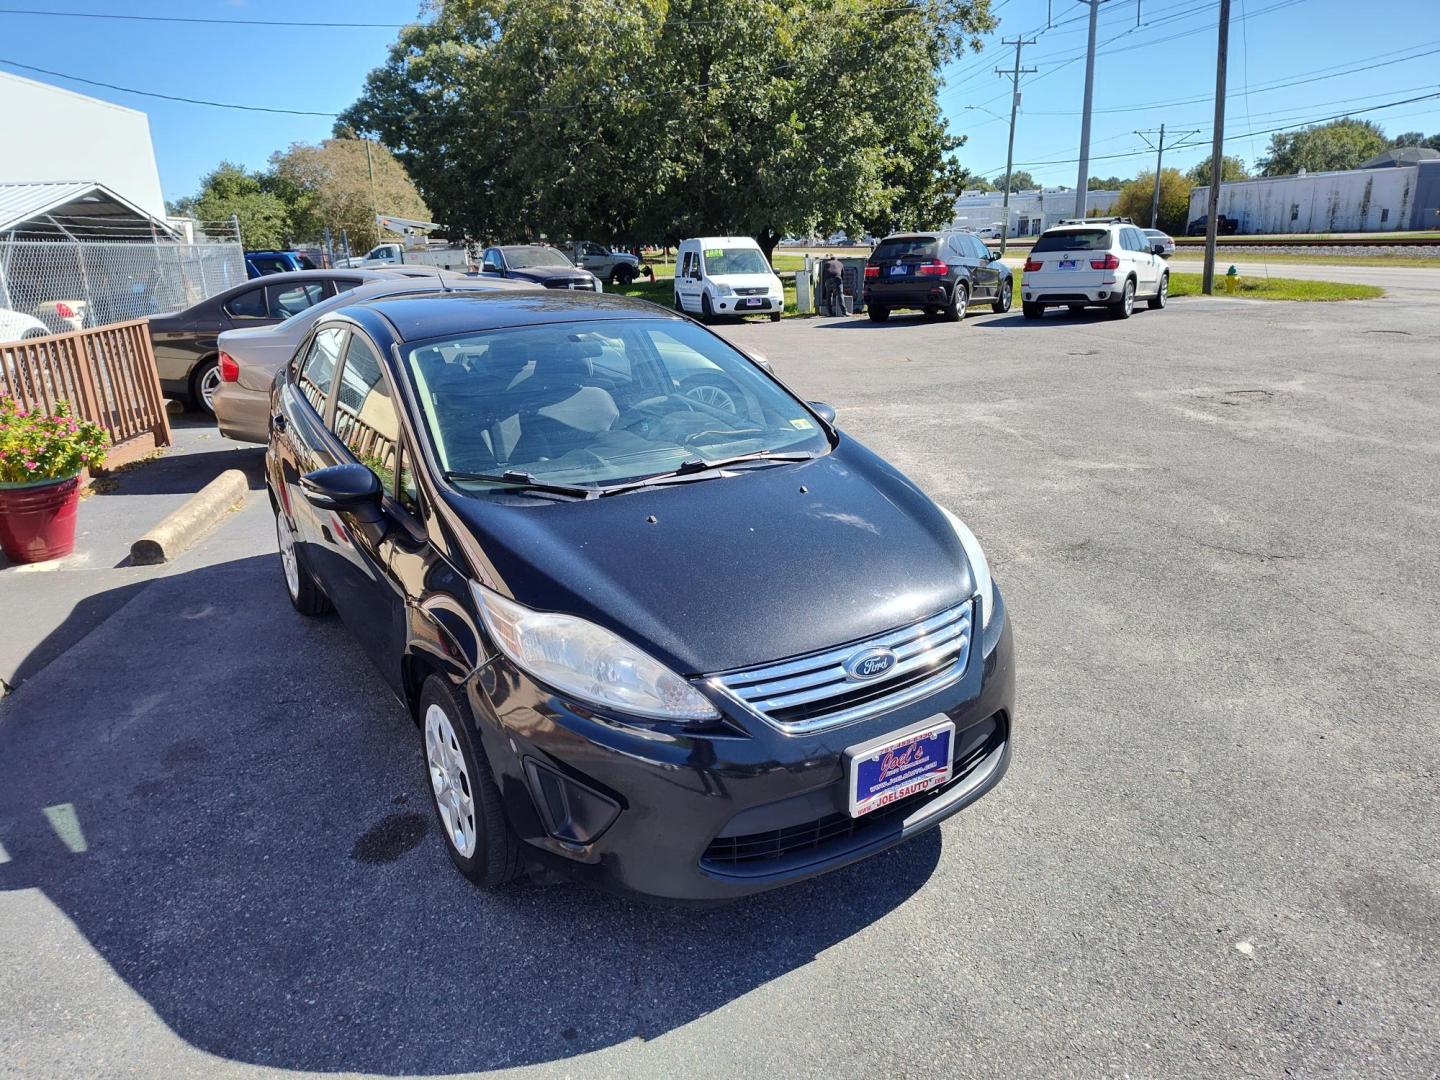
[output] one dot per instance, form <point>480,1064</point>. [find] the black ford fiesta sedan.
<point>660,624</point>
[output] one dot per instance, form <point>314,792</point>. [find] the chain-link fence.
<point>69,285</point>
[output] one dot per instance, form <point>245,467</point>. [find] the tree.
<point>231,191</point>
<point>1416,138</point>
<point>1231,168</point>
<point>1340,144</point>
<point>1136,197</point>
<point>632,119</point>
<point>1105,183</point>
<point>1019,181</point>
<point>330,185</point>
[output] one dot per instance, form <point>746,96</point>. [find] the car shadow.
<point>238,824</point>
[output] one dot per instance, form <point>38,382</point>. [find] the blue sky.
<point>1333,61</point>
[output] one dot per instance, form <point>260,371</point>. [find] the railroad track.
<point>1222,242</point>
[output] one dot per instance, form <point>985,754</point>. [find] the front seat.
<point>561,412</point>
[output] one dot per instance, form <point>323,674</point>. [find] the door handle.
<point>278,422</point>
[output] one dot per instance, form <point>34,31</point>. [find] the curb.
<point>187,524</point>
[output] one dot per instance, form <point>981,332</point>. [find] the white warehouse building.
<point>1380,197</point>
<point>1031,212</point>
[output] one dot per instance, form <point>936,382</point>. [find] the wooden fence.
<point>107,374</point>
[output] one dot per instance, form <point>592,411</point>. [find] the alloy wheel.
<point>450,781</point>
<point>1129,299</point>
<point>286,540</point>
<point>711,395</point>
<point>209,384</point>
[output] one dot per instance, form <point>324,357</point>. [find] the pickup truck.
<point>611,267</point>
<point>452,258</point>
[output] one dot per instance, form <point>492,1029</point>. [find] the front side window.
<point>535,255</point>
<point>288,300</point>
<point>738,260</point>
<point>602,402</point>
<point>248,305</point>
<point>317,373</point>
<point>1074,240</point>
<point>492,260</point>
<point>366,420</point>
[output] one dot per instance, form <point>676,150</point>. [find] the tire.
<point>678,305</point>
<point>878,314</point>
<point>707,313</point>
<point>622,275</point>
<point>959,301</point>
<point>775,316</point>
<point>1006,297</point>
<point>1076,309</point>
<point>1032,311</point>
<point>1123,307</point>
<point>204,381</point>
<point>300,584</point>
<point>1162,294</point>
<point>467,805</point>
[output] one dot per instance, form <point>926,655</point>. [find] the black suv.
<point>936,272</point>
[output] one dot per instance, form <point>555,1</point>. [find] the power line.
<point>205,21</point>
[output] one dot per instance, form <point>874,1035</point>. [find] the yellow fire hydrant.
<point>1232,279</point>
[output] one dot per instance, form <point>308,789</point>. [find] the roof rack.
<point>1098,221</point>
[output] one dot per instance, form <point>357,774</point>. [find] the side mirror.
<point>1157,248</point>
<point>761,362</point>
<point>824,411</point>
<point>346,489</point>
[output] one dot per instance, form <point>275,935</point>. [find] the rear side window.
<point>248,305</point>
<point>1074,240</point>
<point>317,373</point>
<point>287,300</point>
<point>909,248</point>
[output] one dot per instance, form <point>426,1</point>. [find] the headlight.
<point>724,290</point>
<point>984,587</point>
<point>588,662</point>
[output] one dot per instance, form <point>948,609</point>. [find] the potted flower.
<point>41,458</point>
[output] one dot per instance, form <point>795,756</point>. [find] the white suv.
<point>1095,261</point>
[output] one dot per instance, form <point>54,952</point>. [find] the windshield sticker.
<point>802,424</point>
<point>714,253</point>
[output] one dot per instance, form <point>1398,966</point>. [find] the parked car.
<point>726,275</point>
<point>538,263</point>
<point>17,326</point>
<point>1224,226</point>
<point>939,273</point>
<point>455,258</point>
<point>187,351</point>
<point>642,639</point>
<point>260,263</point>
<point>1105,261</point>
<point>250,356</point>
<point>62,316</point>
<point>611,267</point>
<point>990,232</point>
<point>1167,245</point>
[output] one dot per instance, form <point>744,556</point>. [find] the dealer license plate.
<point>751,302</point>
<point>897,271</point>
<point>886,770</point>
<point>1069,264</point>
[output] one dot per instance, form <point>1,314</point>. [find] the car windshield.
<point>600,402</point>
<point>737,260</point>
<point>1073,240</point>
<point>535,255</point>
<point>905,247</point>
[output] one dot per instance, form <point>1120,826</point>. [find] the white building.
<point>1384,198</point>
<point>1031,212</point>
<point>53,135</point>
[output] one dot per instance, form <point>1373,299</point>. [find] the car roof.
<point>703,240</point>
<point>447,314</point>
<point>536,243</point>
<point>917,234</point>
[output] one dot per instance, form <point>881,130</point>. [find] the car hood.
<point>260,351</point>
<point>747,281</point>
<point>773,561</point>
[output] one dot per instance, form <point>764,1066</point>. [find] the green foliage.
<point>1416,138</point>
<point>230,190</point>
<point>1340,144</point>
<point>656,119</point>
<point>330,184</point>
<point>1105,183</point>
<point>1019,181</point>
<point>1137,195</point>
<point>1260,288</point>
<point>1231,168</point>
<point>37,446</point>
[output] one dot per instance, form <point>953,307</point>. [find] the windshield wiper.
<point>693,466</point>
<point>526,480</point>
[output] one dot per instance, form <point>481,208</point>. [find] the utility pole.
<point>1159,156</point>
<point>1014,73</point>
<point>370,169</point>
<point>1217,150</point>
<point>1082,185</point>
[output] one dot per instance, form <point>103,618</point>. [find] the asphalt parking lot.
<point>1217,852</point>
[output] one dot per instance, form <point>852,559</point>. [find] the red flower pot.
<point>37,521</point>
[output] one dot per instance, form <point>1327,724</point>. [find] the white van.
<point>726,275</point>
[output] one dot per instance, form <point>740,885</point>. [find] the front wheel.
<point>959,301</point>
<point>1007,292</point>
<point>877,313</point>
<point>622,275</point>
<point>707,313</point>
<point>1162,294</point>
<point>1123,307</point>
<point>1031,311</point>
<point>478,836</point>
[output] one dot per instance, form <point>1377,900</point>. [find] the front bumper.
<point>737,305</point>
<point>738,809</point>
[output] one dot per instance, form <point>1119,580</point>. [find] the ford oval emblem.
<point>869,664</point>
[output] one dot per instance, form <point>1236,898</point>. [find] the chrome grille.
<point>758,290</point>
<point>812,692</point>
